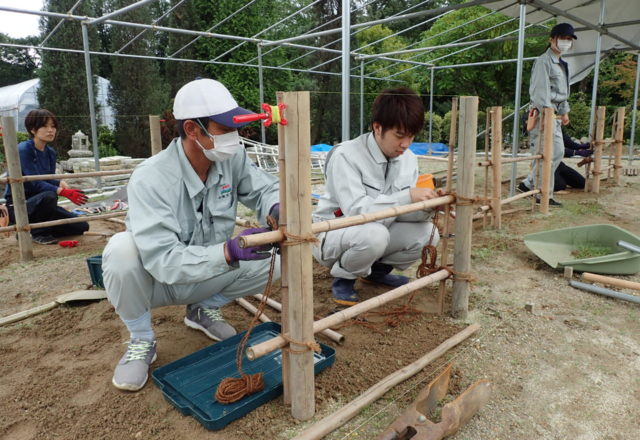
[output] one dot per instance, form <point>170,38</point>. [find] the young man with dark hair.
<point>373,172</point>
<point>177,248</point>
<point>38,158</point>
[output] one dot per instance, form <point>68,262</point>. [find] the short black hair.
<point>202,122</point>
<point>399,108</point>
<point>38,118</point>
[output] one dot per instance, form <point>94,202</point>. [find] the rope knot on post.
<point>312,345</point>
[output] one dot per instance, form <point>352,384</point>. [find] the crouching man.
<point>373,172</point>
<point>177,248</point>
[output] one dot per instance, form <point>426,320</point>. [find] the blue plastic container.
<point>190,383</point>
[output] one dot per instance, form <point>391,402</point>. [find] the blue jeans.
<point>43,207</point>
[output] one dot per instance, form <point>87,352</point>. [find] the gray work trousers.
<point>557,155</point>
<point>133,291</point>
<point>351,251</point>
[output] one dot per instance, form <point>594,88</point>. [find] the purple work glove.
<point>584,153</point>
<point>237,253</point>
<point>275,212</point>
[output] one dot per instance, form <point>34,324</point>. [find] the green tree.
<point>137,89</point>
<point>16,65</point>
<point>63,86</point>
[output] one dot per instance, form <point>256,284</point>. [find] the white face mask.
<point>564,45</point>
<point>225,146</point>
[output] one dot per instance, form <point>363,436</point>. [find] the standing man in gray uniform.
<point>550,88</point>
<point>177,248</point>
<point>373,172</point>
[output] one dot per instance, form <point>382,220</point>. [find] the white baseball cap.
<point>203,98</point>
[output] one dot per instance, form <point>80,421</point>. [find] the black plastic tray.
<point>190,383</point>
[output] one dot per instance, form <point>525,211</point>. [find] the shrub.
<point>106,142</point>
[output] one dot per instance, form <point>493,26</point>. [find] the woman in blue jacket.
<point>37,158</point>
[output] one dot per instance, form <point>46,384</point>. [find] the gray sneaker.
<point>132,371</point>
<point>209,321</point>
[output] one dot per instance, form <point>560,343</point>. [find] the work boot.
<point>523,188</point>
<point>44,239</point>
<point>380,274</point>
<point>209,321</point>
<point>132,371</point>
<point>343,292</point>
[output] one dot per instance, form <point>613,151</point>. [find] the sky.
<point>20,25</point>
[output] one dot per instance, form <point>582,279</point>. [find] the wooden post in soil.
<point>496,165</point>
<point>297,143</point>
<point>597,153</point>
<point>468,127</point>
<point>618,137</point>
<point>444,248</point>
<point>17,188</point>
<point>156,134</point>
<point>548,124</point>
<point>487,139</point>
<point>284,257</point>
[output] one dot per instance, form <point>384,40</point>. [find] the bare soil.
<point>567,366</point>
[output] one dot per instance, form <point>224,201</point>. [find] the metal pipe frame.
<point>431,107</point>
<point>92,109</point>
<point>57,26</point>
<point>346,69</point>
<point>596,74</point>
<point>634,111</point>
<point>516,105</point>
<point>119,12</point>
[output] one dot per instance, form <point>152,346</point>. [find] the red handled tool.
<point>272,114</point>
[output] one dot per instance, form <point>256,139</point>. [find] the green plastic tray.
<point>556,249</point>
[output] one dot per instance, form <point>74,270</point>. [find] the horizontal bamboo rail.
<point>488,163</point>
<point>435,158</point>
<point>331,334</point>
<point>64,176</point>
<point>265,347</point>
<point>64,221</point>
<point>343,222</point>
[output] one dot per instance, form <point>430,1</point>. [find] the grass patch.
<point>590,250</point>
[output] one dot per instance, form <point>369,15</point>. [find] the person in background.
<point>373,172</point>
<point>178,246</point>
<point>566,176</point>
<point>550,88</point>
<point>38,158</point>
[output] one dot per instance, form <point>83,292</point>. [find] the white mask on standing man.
<point>208,98</point>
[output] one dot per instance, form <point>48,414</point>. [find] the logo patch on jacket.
<point>225,191</point>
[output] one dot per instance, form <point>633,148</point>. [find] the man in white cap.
<point>177,248</point>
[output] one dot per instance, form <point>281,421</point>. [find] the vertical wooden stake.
<point>284,256</point>
<point>297,137</point>
<point>17,189</point>
<point>156,134</point>
<point>467,130</point>
<point>597,155</point>
<point>487,137</point>
<point>546,136</point>
<point>496,165</point>
<point>618,136</point>
<point>444,248</point>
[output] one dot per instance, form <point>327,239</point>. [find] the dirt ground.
<point>568,367</point>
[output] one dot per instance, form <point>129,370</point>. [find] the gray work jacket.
<point>179,223</point>
<point>550,83</point>
<point>360,179</point>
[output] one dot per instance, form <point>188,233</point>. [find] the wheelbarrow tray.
<point>557,249</point>
<point>190,383</point>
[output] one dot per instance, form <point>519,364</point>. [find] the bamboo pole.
<point>35,178</point>
<point>17,188</point>
<point>331,334</point>
<point>464,209</point>
<point>488,124</point>
<point>488,163</point>
<point>259,350</point>
<point>156,134</point>
<point>252,309</point>
<point>347,412</point>
<point>496,169</point>
<point>444,243</point>
<point>618,135</point>
<point>343,222</point>
<point>519,196</point>
<point>504,212</point>
<point>297,143</point>
<point>64,221</point>
<point>597,155</point>
<point>547,153</point>
<point>284,253</point>
<point>610,281</point>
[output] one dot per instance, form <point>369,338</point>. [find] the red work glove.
<point>68,243</point>
<point>75,195</point>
